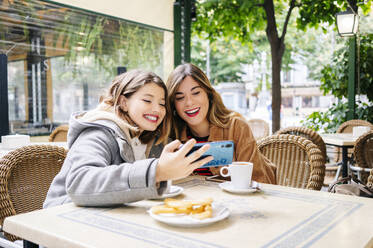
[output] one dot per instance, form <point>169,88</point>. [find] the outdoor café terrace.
<point>58,57</point>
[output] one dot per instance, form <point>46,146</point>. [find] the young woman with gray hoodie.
<point>114,149</point>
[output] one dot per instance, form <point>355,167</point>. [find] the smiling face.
<point>192,105</point>
<point>146,107</point>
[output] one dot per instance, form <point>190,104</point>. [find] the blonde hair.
<point>127,84</point>
<point>217,114</point>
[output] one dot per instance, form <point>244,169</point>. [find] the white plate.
<point>181,220</point>
<point>174,191</point>
<point>228,186</point>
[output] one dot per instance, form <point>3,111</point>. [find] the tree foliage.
<point>334,76</point>
<point>330,120</point>
<point>239,19</point>
<point>225,58</point>
<point>334,80</point>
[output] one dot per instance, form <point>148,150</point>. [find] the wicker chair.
<point>346,127</point>
<point>299,162</point>
<point>25,176</point>
<point>330,169</point>
<point>59,134</point>
<point>363,154</point>
<point>308,134</point>
<point>259,127</point>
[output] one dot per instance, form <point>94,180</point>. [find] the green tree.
<point>225,58</point>
<point>334,80</point>
<point>239,19</point>
<point>334,76</point>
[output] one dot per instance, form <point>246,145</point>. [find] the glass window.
<point>307,101</point>
<point>60,59</point>
<point>315,101</point>
<point>287,102</point>
<point>325,101</point>
<point>228,100</point>
<point>242,101</point>
<point>287,76</point>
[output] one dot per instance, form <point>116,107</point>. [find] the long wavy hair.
<point>127,84</point>
<point>218,114</point>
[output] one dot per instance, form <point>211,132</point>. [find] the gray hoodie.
<point>100,167</point>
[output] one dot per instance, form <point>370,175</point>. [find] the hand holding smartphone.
<point>222,151</point>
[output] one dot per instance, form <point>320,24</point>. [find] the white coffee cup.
<point>168,187</point>
<point>240,173</point>
<point>359,130</point>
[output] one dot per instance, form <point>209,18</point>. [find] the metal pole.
<point>4,108</point>
<point>351,79</point>
<point>182,30</point>
<point>187,31</point>
<point>352,70</point>
<point>177,33</point>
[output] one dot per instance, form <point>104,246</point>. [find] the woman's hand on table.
<point>173,163</point>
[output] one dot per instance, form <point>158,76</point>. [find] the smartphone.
<point>222,151</point>
<point>217,178</point>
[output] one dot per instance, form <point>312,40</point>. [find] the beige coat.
<point>246,148</point>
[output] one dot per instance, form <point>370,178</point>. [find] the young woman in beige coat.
<point>198,112</point>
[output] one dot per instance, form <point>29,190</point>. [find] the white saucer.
<point>174,191</point>
<point>228,186</point>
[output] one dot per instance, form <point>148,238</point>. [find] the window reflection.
<point>61,59</point>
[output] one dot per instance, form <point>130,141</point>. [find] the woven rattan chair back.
<point>308,134</point>
<point>25,176</point>
<point>259,127</point>
<point>59,134</point>
<point>347,127</point>
<point>299,162</point>
<point>363,153</point>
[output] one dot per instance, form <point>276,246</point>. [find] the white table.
<point>344,141</point>
<point>5,151</point>
<point>276,217</point>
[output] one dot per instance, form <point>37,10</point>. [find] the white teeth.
<point>192,111</point>
<point>152,118</point>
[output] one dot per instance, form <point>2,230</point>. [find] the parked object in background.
<point>259,127</point>
<point>59,134</point>
<point>299,162</point>
<point>25,176</point>
<point>363,155</point>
